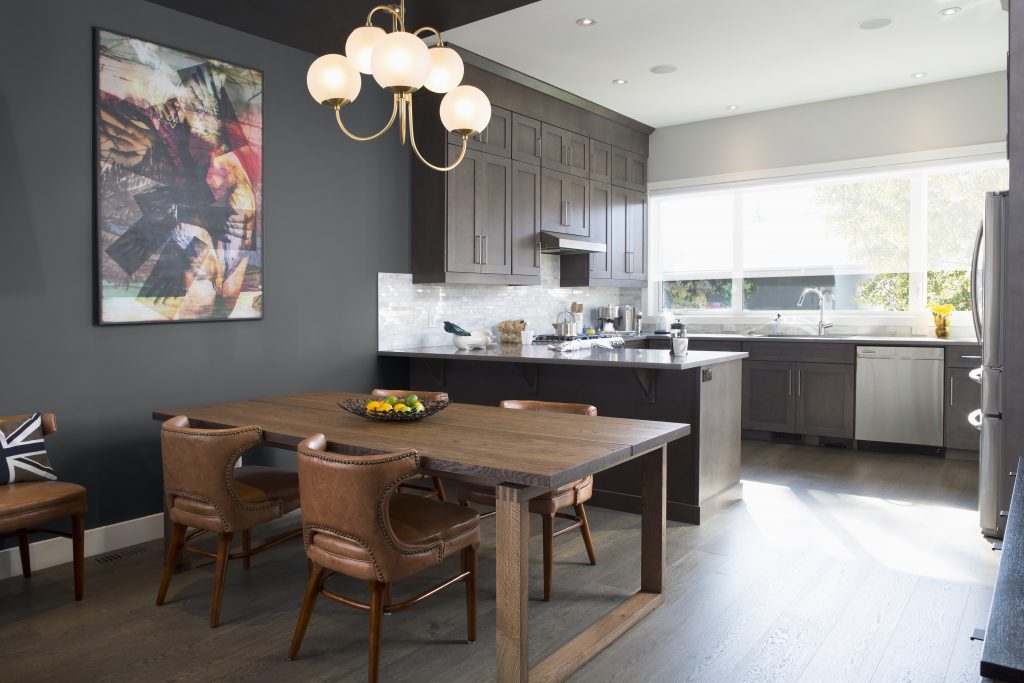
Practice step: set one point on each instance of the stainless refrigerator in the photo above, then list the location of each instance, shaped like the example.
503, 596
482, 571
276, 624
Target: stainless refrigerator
987, 287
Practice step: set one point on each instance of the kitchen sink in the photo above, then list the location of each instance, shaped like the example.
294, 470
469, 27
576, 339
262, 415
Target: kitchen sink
797, 336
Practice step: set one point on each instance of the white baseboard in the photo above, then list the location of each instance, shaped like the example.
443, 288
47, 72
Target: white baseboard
53, 551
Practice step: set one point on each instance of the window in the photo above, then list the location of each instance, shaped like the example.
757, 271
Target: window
884, 243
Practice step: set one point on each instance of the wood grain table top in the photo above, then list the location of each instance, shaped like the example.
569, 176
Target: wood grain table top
463, 441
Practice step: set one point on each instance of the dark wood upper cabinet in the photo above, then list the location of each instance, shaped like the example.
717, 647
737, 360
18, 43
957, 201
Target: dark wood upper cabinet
620, 167
495, 227
564, 202
636, 235
525, 139
525, 218
600, 161
463, 212
600, 228
617, 232
495, 139
554, 142
577, 155
629, 169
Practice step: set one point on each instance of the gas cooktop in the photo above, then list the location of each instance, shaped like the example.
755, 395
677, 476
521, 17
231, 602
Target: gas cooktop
548, 338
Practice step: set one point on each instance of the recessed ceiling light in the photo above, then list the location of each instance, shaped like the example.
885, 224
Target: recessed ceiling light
586, 21
732, 107
875, 23
664, 69
949, 11
919, 74
620, 81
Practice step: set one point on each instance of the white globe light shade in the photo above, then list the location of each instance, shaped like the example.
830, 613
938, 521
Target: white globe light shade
446, 69
465, 108
401, 61
360, 44
332, 80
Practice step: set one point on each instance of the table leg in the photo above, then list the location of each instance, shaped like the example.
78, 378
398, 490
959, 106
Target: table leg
512, 528
653, 524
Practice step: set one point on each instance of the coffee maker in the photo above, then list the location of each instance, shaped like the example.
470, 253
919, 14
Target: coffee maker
607, 317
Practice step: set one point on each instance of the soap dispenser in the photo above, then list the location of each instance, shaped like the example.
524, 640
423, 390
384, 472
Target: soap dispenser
777, 325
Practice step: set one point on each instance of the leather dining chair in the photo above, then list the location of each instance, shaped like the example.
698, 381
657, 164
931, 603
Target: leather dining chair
25, 504
204, 490
376, 534
548, 505
438, 486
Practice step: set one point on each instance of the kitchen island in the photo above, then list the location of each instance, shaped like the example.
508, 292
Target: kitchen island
702, 389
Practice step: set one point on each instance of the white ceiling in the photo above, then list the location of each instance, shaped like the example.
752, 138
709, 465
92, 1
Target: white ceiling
755, 54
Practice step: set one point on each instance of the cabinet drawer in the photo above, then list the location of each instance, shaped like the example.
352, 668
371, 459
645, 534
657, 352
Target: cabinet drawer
715, 345
808, 352
659, 343
963, 356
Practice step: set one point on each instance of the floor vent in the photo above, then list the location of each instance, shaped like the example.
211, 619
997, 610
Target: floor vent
119, 554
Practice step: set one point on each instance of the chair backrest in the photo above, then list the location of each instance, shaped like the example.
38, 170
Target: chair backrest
350, 495
49, 421
198, 464
402, 393
573, 408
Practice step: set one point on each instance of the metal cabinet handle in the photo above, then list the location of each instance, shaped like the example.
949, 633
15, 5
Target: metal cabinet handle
476, 248
972, 357
950, 392
565, 214
483, 249
536, 253
799, 382
789, 387
568, 150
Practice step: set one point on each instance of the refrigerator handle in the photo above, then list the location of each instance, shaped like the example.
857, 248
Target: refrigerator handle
975, 315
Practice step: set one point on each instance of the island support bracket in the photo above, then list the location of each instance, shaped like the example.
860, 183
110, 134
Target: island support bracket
648, 383
530, 374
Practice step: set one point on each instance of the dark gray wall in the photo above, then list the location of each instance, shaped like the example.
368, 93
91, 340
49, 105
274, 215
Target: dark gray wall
335, 213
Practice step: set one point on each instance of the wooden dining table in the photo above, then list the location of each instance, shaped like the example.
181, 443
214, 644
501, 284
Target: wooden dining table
523, 454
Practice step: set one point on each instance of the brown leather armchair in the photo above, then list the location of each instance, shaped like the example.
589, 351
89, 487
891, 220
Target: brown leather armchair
204, 490
438, 489
548, 505
374, 533
25, 504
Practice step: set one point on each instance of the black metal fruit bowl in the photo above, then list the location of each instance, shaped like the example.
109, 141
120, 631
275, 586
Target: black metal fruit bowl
357, 406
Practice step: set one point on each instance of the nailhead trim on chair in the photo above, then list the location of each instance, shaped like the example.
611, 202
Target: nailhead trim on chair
319, 527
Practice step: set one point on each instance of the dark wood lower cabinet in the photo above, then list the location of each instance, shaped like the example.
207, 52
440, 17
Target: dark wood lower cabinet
769, 403
963, 395
816, 399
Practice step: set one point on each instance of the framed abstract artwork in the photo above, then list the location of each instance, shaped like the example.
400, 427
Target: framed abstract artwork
179, 185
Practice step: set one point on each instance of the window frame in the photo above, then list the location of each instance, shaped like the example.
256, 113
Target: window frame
917, 316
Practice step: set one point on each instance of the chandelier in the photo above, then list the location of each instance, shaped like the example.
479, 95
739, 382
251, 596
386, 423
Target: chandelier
400, 62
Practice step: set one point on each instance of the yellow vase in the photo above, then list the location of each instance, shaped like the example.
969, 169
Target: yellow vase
941, 325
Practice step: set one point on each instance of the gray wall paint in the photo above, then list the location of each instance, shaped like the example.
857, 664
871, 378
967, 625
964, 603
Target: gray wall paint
965, 111
336, 213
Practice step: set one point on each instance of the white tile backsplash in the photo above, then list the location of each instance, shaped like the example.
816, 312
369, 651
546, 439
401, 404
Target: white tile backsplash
410, 315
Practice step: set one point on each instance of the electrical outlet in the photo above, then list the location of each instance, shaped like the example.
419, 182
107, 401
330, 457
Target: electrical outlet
728, 327
433, 319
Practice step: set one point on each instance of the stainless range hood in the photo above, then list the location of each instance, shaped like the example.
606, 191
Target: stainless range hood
557, 243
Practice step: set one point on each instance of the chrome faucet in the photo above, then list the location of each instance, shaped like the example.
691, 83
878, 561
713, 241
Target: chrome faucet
822, 325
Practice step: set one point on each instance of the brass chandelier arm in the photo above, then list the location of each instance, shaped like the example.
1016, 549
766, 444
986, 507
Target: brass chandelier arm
431, 29
397, 15
359, 138
412, 142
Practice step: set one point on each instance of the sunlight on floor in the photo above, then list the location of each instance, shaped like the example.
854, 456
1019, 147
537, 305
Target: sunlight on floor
925, 540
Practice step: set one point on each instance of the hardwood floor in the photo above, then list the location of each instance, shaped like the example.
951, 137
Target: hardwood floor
837, 566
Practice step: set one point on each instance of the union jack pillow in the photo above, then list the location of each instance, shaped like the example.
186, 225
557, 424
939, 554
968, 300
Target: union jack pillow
23, 452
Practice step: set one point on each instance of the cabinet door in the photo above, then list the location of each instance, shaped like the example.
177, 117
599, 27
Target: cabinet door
552, 208
576, 195
617, 240
600, 228
620, 167
552, 146
495, 214
600, 161
638, 172
525, 219
769, 402
825, 399
525, 139
963, 395
577, 155
495, 139
463, 212
636, 235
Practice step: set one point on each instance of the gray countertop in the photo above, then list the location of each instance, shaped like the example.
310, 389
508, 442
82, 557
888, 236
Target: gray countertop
539, 353
863, 340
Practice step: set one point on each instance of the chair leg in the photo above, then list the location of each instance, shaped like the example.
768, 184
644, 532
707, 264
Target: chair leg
26, 561
246, 548
78, 554
316, 574
377, 591
585, 530
549, 535
439, 487
223, 550
173, 550
469, 565
386, 598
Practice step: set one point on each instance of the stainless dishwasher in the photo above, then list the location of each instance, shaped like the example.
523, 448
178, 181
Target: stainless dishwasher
899, 394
